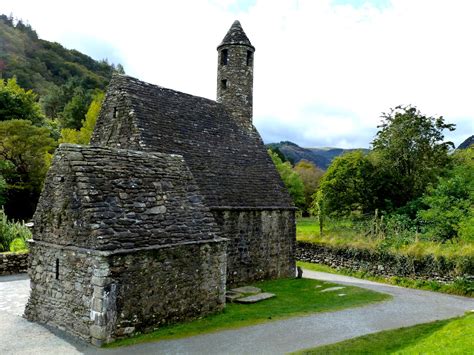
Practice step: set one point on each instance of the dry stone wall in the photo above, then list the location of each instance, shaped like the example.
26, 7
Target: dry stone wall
13, 263
382, 263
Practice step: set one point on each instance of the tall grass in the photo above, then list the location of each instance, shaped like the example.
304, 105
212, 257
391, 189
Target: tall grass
395, 233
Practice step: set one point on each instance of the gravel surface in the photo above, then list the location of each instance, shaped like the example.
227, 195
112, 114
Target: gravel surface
408, 307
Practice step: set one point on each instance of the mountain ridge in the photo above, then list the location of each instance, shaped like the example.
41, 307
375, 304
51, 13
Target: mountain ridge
321, 157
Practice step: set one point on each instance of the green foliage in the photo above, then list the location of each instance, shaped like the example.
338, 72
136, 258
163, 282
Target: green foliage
310, 176
3, 188
12, 234
290, 178
83, 136
411, 152
293, 297
26, 153
75, 110
42, 66
348, 185
18, 103
17, 245
450, 202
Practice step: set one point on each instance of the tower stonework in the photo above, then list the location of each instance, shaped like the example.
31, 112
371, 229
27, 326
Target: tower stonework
235, 74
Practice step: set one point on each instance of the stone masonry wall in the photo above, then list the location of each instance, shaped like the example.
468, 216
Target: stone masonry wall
383, 263
168, 285
100, 296
13, 263
62, 288
261, 243
235, 82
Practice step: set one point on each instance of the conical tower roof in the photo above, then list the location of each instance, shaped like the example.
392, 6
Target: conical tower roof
236, 35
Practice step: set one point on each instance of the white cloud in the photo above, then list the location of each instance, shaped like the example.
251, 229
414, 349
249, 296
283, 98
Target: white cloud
359, 61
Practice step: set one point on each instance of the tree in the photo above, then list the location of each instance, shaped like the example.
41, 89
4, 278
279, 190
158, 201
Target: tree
411, 150
348, 185
451, 201
311, 176
83, 136
25, 152
18, 103
75, 110
290, 178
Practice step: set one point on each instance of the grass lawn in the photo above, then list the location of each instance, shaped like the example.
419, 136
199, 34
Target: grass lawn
452, 336
293, 297
458, 287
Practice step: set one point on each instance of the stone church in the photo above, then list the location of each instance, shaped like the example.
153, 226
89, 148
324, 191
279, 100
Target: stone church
175, 199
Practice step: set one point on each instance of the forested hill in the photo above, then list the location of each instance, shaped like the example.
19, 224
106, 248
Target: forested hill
53, 72
321, 157
467, 143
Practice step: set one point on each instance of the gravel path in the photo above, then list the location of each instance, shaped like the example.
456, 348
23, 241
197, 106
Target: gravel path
408, 307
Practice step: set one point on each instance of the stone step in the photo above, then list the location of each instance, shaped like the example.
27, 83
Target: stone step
255, 298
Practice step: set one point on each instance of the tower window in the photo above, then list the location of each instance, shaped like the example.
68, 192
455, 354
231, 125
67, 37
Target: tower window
224, 84
57, 269
249, 57
224, 56
115, 112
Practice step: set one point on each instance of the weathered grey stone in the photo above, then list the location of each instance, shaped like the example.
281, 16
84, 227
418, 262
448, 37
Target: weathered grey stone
246, 289
231, 296
255, 298
330, 289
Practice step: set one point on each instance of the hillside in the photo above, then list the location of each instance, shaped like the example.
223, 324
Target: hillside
467, 143
321, 157
64, 79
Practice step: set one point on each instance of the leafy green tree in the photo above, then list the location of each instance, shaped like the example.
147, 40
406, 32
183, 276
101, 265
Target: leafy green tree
75, 110
451, 201
311, 176
348, 185
83, 136
18, 103
290, 178
26, 152
411, 151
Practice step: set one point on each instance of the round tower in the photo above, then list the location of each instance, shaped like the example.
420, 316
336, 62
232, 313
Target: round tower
235, 74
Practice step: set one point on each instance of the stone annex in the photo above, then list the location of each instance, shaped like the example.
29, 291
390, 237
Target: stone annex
175, 200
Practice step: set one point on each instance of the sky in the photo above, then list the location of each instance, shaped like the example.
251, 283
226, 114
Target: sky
325, 70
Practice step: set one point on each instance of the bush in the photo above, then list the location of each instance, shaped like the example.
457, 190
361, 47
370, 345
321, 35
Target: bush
18, 244
12, 234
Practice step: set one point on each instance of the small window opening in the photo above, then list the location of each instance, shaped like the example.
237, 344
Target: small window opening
224, 56
115, 112
224, 84
57, 269
249, 57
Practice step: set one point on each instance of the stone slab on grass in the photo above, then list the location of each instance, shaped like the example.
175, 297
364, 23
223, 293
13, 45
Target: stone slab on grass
247, 289
256, 298
231, 296
333, 289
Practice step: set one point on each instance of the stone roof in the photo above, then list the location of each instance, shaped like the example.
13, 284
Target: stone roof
229, 162
111, 199
236, 35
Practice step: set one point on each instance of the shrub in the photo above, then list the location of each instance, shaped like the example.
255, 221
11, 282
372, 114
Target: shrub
10, 232
18, 244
